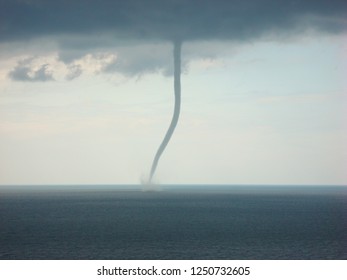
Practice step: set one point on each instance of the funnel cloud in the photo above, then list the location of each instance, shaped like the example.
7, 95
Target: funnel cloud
177, 108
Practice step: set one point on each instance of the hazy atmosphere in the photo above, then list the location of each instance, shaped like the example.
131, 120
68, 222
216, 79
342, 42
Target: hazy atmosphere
86, 91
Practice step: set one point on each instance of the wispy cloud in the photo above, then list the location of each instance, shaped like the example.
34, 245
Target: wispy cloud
25, 72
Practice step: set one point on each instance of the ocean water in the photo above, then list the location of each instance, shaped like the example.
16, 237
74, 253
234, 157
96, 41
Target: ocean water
175, 222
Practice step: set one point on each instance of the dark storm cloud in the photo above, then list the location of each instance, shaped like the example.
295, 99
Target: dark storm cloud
135, 30
168, 19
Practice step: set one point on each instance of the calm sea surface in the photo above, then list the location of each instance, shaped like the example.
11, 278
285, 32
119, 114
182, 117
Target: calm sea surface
175, 222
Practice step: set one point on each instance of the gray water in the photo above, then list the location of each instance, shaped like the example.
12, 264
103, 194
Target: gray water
177, 222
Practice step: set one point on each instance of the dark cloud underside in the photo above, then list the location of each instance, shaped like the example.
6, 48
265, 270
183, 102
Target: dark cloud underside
83, 27
167, 19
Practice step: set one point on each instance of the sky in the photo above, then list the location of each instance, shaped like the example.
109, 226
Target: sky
86, 91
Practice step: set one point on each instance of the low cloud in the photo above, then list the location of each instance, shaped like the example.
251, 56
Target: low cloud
25, 72
132, 37
140, 59
74, 71
168, 19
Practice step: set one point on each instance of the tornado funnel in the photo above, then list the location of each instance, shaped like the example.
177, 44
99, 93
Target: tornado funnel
177, 90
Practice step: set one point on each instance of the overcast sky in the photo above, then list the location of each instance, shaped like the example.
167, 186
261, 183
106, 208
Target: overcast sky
86, 91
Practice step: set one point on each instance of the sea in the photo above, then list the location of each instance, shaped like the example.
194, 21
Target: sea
184, 222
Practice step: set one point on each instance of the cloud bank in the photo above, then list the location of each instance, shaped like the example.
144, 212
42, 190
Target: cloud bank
168, 19
83, 27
